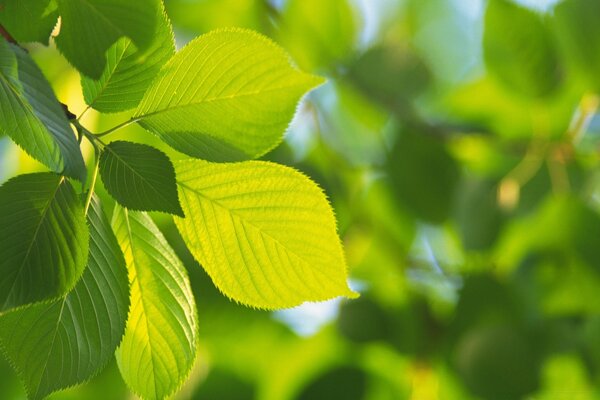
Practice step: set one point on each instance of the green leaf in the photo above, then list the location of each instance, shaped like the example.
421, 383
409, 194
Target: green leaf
139, 177
43, 239
265, 233
32, 117
60, 343
424, 175
318, 34
29, 20
90, 27
159, 347
578, 29
128, 71
228, 95
519, 49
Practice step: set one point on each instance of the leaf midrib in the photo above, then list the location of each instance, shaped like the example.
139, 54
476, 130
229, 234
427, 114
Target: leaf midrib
143, 303
138, 118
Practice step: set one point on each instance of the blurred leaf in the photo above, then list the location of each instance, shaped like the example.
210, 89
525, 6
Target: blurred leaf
32, 116
227, 96
128, 71
563, 225
391, 74
160, 342
424, 175
139, 177
478, 214
519, 49
498, 362
203, 16
44, 242
90, 27
352, 125
349, 383
363, 320
29, 20
265, 233
45, 341
318, 34
578, 30
221, 384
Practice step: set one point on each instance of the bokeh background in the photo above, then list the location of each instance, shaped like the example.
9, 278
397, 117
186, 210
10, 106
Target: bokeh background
458, 142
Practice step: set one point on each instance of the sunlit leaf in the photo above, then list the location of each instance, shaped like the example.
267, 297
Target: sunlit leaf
159, 346
265, 233
228, 95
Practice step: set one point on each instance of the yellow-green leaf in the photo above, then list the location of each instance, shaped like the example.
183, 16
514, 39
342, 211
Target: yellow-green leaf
159, 346
265, 233
228, 95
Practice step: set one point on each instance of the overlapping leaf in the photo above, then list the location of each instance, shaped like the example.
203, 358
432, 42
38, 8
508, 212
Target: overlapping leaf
159, 346
139, 177
31, 115
227, 96
29, 20
129, 71
64, 342
90, 27
43, 239
265, 233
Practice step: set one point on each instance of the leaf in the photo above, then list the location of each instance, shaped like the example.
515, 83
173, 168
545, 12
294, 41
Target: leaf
29, 20
139, 177
265, 233
424, 176
227, 96
159, 346
32, 117
43, 239
60, 343
90, 27
128, 71
519, 49
578, 30
318, 34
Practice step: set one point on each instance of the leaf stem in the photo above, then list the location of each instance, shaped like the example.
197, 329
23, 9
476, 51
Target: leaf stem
88, 199
117, 127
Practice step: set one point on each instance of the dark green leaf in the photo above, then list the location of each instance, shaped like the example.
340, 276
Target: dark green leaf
129, 71
139, 177
90, 27
60, 343
423, 175
32, 117
29, 20
43, 239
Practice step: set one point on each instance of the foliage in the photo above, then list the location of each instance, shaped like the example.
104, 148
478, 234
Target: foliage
457, 142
